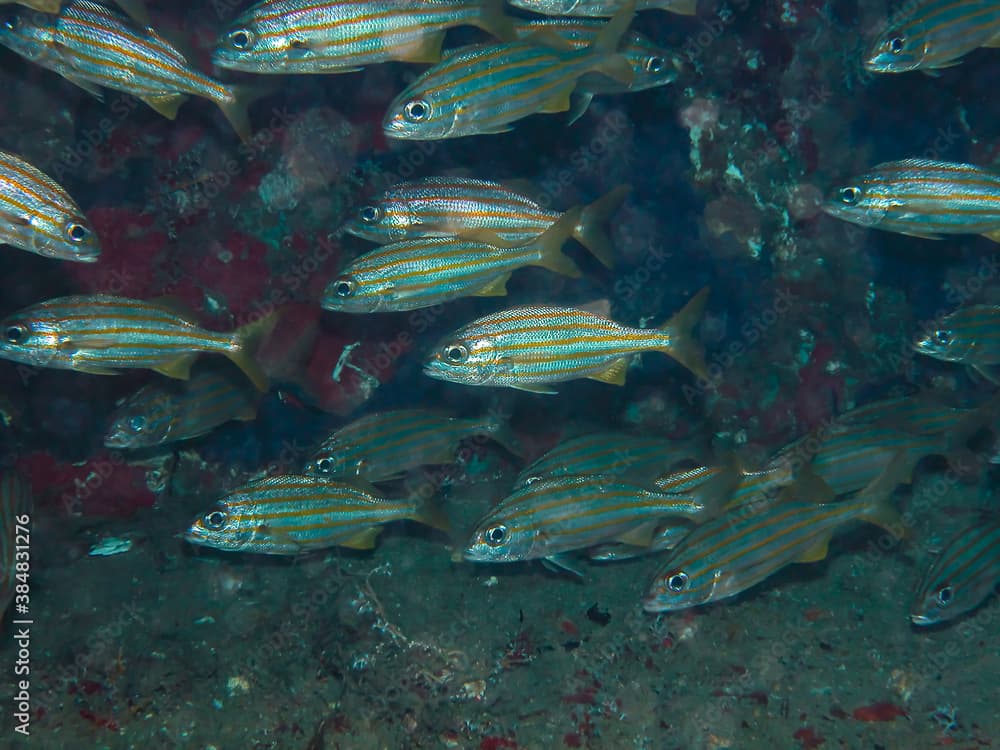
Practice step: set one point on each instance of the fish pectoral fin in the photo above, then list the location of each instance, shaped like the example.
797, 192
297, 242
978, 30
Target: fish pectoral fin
535, 388
614, 373
923, 235
179, 368
561, 564
15, 219
365, 539
995, 234
817, 551
495, 288
167, 105
93, 369
425, 50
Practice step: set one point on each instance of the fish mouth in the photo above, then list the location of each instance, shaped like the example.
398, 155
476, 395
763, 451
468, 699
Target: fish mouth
921, 619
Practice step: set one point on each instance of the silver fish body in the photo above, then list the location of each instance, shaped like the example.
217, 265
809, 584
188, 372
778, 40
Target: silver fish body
38, 215
923, 198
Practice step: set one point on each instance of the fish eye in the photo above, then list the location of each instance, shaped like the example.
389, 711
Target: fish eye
241, 39
15, 334
944, 595
417, 111
942, 338
344, 288
215, 520
896, 45
456, 353
76, 232
370, 214
137, 423
850, 195
655, 64
324, 466
495, 535
677, 582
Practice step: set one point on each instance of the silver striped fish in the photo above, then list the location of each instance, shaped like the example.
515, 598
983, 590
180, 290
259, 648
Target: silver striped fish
467, 207
922, 198
170, 412
652, 65
102, 334
94, 46
15, 511
38, 215
963, 574
609, 454
341, 36
383, 446
412, 274
935, 34
601, 8
970, 335
291, 514
485, 88
530, 348
559, 514
737, 550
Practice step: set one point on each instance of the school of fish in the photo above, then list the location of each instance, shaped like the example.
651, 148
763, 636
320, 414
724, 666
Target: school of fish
719, 526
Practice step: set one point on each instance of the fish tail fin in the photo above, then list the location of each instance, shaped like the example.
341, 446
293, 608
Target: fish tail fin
878, 495
246, 341
589, 231
550, 243
608, 60
429, 512
493, 20
499, 431
236, 106
683, 346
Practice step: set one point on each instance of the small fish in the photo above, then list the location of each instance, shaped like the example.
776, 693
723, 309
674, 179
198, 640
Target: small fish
922, 198
94, 46
601, 8
970, 335
15, 511
102, 334
740, 548
963, 574
607, 453
485, 88
412, 274
559, 514
468, 208
292, 514
530, 348
170, 412
935, 35
37, 215
342, 36
382, 446
652, 66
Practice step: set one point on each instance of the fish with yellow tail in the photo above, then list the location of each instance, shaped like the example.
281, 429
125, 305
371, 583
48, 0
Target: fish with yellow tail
747, 544
342, 36
292, 514
531, 348
103, 334
472, 208
486, 88
94, 46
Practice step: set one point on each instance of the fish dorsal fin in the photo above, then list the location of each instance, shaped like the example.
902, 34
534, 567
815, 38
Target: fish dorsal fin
600, 307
